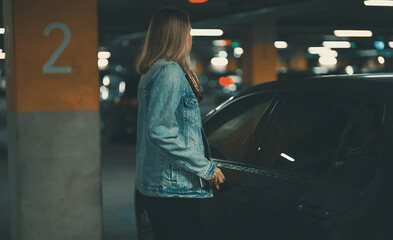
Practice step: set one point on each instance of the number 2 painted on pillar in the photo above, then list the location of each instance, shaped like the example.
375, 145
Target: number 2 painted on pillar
48, 67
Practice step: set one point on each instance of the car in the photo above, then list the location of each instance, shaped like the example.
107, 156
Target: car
304, 159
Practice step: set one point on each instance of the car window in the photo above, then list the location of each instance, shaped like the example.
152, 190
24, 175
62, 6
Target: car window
230, 135
356, 162
305, 133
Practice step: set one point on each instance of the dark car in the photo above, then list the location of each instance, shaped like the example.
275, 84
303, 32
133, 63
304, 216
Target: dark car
304, 159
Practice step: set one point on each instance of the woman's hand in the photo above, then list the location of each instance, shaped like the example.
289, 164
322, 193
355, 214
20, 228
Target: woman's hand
217, 178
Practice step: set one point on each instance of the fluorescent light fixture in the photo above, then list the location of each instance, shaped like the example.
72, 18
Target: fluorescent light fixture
207, 32
330, 53
2, 30
280, 44
318, 50
381, 60
329, 61
219, 61
378, 3
223, 54
323, 51
104, 55
287, 157
2, 55
336, 44
391, 44
353, 33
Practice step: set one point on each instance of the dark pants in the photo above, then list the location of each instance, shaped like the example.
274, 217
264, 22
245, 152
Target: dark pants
173, 218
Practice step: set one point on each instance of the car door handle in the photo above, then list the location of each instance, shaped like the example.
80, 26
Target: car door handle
314, 212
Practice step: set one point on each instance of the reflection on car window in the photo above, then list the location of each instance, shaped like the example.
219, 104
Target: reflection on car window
305, 133
356, 163
231, 137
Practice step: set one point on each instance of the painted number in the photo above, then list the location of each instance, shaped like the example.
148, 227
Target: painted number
48, 67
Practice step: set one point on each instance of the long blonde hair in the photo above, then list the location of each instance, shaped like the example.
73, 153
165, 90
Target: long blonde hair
167, 34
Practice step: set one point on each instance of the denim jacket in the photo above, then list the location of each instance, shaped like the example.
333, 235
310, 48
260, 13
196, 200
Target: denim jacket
170, 154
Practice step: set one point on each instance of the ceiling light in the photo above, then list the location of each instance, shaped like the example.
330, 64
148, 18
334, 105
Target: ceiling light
219, 61
2, 30
280, 44
206, 32
104, 55
378, 3
353, 33
391, 44
197, 1
318, 50
329, 61
337, 44
2, 55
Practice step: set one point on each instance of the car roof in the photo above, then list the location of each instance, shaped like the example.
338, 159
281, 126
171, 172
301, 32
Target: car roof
373, 85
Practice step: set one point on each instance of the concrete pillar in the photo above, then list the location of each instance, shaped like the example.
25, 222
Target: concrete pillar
53, 119
259, 60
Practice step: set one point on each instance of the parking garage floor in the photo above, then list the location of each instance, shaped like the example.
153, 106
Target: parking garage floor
118, 179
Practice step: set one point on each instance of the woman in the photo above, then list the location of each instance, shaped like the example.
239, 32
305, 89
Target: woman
173, 166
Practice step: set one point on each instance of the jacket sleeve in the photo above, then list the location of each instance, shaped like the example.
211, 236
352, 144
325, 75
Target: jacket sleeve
162, 127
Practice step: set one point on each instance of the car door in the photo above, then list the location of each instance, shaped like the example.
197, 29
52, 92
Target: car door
232, 133
302, 146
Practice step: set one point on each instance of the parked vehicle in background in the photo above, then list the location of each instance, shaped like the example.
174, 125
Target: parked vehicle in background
304, 159
118, 105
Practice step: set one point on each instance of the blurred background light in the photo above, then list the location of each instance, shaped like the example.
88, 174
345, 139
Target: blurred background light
328, 61
379, 45
320, 70
102, 63
391, 44
222, 43
319, 50
197, 1
280, 44
353, 33
238, 51
2, 55
106, 80
207, 32
379, 3
223, 54
381, 60
224, 81
122, 87
336, 44
219, 61
349, 70
104, 92
2, 30
104, 55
